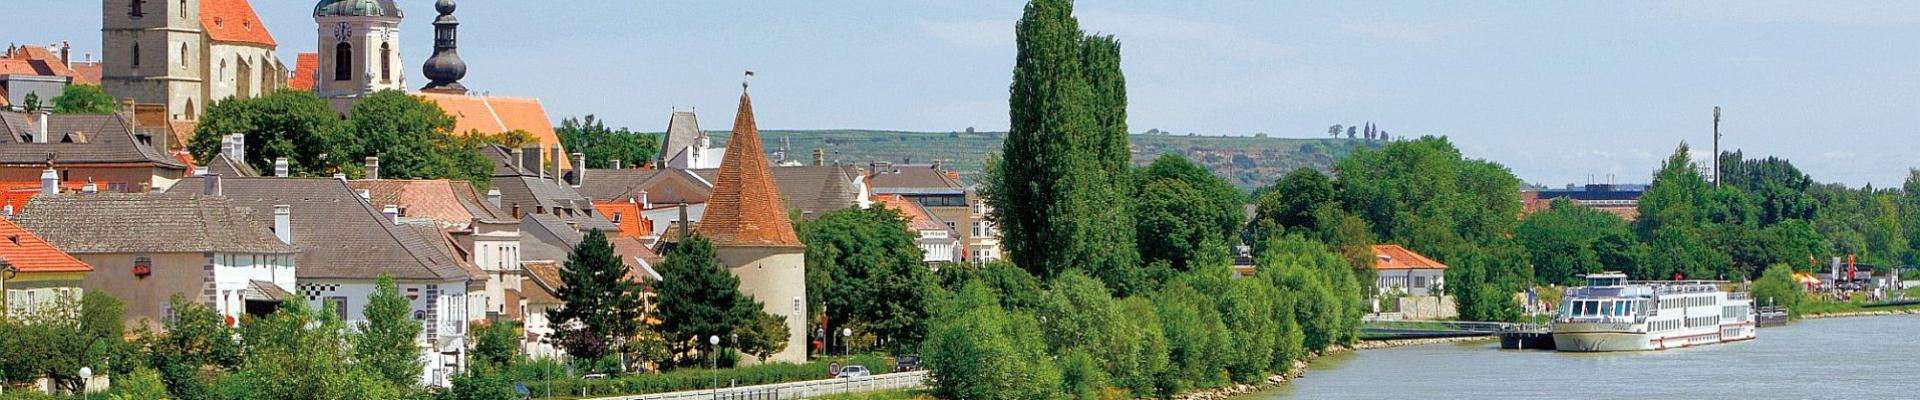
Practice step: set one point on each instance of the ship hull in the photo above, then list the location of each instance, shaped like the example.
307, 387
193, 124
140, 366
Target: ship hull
1601, 342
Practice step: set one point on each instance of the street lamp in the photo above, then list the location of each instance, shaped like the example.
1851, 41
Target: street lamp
714, 341
86, 374
846, 348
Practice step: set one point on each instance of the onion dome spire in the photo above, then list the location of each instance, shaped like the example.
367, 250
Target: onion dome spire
445, 67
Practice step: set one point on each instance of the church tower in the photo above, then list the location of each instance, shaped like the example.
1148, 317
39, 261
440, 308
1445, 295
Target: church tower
152, 53
752, 236
359, 50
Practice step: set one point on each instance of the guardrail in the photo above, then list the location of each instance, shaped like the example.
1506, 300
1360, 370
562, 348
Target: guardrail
795, 390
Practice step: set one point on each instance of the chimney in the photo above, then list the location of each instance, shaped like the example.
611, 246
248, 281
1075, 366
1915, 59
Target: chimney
283, 223
200, 171
539, 209
493, 197
645, 203
49, 182
392, 212
126, 106
41, 119
579, 169
8, 209
554, 158
530, 162
819, 157
686, 227
212, 187
514, 159
239, 148
66, 54
936, 165
373, 167
90, 188
226, 147
516, 210
280, 167
615, 163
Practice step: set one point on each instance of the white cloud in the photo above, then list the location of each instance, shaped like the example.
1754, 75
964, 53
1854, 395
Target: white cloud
980, 34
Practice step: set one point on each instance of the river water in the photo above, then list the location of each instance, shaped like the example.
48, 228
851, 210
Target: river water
1843, 358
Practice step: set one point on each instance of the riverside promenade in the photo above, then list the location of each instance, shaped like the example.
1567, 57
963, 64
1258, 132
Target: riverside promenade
795, 390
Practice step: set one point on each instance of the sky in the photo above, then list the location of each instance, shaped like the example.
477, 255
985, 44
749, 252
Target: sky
1560, 92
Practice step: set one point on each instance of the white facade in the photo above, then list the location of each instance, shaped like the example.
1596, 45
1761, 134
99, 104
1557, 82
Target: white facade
700, 155
358, 56
234, 274
664, 216
496, 250
242, 70
936, 245
440, 307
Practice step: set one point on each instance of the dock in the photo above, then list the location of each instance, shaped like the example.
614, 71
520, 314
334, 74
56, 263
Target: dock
1526, 337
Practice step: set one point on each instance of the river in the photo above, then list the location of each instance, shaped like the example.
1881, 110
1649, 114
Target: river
1846, 358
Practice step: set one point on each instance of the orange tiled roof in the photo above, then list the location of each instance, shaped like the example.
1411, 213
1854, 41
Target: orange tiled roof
27, 253
1389, 256
917, 217
304, 66
746, 209
430, 198
87, 72
16, 67
41, 61
492, 115
233, 21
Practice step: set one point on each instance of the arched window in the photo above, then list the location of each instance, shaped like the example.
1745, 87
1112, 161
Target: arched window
223, 70
386, 63
343, 62
136, 54
183, 54
183, 9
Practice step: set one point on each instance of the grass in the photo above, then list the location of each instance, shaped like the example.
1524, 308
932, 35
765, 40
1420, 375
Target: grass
882, 395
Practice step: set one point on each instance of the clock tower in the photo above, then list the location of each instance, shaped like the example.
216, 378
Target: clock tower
359, 50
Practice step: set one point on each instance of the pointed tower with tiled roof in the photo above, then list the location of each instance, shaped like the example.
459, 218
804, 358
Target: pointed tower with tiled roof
746, 208
752, 237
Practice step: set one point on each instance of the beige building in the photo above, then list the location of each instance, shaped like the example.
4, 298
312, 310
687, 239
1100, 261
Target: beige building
753, 237
186, 54
359, 43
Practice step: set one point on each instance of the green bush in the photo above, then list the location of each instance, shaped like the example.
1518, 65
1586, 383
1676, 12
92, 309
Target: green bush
535, 375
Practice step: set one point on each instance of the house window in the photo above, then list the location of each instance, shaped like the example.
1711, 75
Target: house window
339, 305
142, 266
616, 217
343, 62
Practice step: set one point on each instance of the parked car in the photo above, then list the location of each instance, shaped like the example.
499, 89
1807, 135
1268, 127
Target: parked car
910, 362
853, 371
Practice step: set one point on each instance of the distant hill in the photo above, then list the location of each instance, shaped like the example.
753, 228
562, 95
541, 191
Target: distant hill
1249, 162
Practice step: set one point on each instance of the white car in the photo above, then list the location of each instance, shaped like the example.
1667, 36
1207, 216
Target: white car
853, 371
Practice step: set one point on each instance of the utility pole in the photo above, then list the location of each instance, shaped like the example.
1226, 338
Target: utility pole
1716, 147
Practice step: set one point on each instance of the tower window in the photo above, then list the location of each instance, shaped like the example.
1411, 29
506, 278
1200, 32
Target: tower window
183, 9
136, 54
386, 63
183, 54
137, 8
343, 62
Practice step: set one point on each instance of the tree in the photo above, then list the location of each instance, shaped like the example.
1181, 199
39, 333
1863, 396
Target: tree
1057, 205
865, 268
385, 343
590, 136
34, 105
1777, 287
413, 138
55, 342
1335, 130
496, 344
1290, 203
979, 351
300, 353
293, 124
1351, 132
697, 298
196, 339
83, 99
1172, 222
765, 335
601, 307
1567, 240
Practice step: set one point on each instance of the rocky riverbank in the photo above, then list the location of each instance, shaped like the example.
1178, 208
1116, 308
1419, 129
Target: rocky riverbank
1863, 313
1300, 367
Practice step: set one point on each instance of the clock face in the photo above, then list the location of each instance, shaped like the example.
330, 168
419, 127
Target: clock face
342, 31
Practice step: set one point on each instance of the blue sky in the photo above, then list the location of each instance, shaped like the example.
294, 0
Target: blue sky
1558, 91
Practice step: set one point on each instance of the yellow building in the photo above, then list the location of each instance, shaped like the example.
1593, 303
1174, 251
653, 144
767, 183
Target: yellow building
35, 276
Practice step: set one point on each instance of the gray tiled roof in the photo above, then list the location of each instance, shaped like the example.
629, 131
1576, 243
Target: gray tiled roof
340, 236
605, 184
812, 189
107, 139
908, 177
683, 128
531, 193
146, 223
226, 166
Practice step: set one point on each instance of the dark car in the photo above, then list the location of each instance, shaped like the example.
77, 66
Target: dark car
906, 363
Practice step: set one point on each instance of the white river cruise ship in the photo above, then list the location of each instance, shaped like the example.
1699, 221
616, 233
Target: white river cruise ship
1612, 314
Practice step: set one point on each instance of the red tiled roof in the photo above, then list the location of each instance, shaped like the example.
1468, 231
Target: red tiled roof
493, 115
233, 21
304, 66
27, 253
17, 67
746, 208
87, 72
917, 217
429, 198
1388, 256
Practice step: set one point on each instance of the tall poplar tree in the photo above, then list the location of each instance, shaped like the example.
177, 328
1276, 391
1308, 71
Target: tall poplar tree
1060, 190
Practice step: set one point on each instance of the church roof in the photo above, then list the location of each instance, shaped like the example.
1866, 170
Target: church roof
682, 129
305, 65
746, 209
357, 8
233, 21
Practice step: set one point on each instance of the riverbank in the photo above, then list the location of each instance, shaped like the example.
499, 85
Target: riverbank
1863, 313
1300, 367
